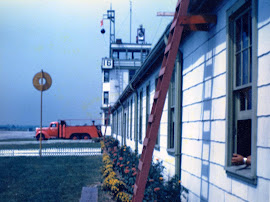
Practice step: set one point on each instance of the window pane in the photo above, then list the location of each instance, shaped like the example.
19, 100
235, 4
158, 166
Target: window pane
131, 74
106, 97
173, 96
238, 34
242, 101
137, 55
245, 67
129, 55
156, 81
250, 65
249, 99
250, 27
122, 56
115, 55
238, 69
244, 137
140, 118
173, 89
144, 55
157, 140
245, 30
106, 76
172, 120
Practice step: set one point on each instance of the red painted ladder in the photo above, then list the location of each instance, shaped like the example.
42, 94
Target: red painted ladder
180, 20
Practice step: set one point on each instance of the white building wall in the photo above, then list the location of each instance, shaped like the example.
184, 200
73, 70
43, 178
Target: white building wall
161, 153
263, 110
203, 115
125, 79
204, 105
114, 90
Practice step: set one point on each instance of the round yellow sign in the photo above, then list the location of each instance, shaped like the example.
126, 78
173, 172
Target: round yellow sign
40, 85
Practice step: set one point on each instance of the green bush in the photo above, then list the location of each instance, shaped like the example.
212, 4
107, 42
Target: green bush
125, 162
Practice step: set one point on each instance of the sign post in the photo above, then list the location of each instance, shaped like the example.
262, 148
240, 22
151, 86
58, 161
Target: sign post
38, 84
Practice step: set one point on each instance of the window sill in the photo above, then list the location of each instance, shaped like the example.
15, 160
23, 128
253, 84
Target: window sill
171, 152
242, 172
157, 147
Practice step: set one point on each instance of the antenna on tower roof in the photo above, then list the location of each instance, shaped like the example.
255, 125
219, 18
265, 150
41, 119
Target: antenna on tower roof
130, 20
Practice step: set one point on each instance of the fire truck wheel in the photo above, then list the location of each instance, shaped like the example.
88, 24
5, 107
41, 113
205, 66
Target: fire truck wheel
42, 137
86, 137
75, 137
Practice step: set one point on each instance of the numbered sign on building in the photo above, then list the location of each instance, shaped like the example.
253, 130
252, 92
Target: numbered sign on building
107, 63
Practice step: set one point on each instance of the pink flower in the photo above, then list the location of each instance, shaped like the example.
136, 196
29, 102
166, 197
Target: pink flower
126, 171
156, 189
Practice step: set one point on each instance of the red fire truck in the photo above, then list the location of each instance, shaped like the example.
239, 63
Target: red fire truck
62, 130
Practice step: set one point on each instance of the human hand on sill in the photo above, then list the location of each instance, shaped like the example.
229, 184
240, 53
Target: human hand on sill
238, 159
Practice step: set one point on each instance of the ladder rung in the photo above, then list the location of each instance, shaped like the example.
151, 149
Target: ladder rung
173, 25
177, 5
156, 95
151, 118
140, 165
135, 189
168, 47
162, 71
158, 105
145, 142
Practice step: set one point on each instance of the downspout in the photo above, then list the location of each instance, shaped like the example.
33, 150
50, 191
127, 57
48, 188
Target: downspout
178, 115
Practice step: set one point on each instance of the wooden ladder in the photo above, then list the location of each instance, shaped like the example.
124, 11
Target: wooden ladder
181, 20
163, 83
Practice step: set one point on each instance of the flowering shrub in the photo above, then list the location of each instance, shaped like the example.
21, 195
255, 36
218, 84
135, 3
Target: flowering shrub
102, 145
125, 162
122, 196
111, 183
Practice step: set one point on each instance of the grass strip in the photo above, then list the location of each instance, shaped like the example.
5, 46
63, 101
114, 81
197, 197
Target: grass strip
47, 178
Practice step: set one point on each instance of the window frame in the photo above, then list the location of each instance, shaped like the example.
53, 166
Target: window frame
140, 116
127, 120
147, 104
247, 174
106, 98
131, 74
157, 145
107, 121
171, 108
131, 118
105, 78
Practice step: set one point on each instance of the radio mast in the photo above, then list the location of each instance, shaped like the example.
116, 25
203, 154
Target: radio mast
130, 20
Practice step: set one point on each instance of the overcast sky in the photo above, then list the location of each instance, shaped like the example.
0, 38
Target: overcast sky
63, 38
